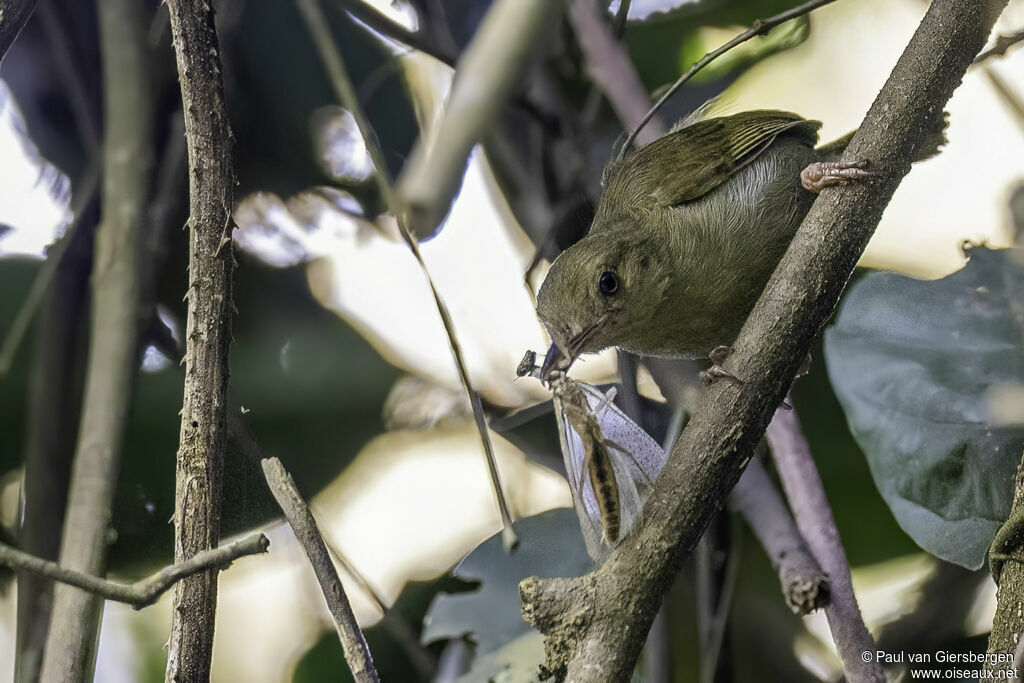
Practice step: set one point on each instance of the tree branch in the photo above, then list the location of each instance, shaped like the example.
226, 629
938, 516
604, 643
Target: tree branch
611, 69
1000, 46
806, 495
200, 459
595, 625
357, 653
141, 593
804, 584
112, 362
510, 36
14, 14
1008, 571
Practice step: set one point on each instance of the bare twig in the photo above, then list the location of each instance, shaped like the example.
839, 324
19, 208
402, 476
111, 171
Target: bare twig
417, 40
146, 591
611, 69
71, 642
393, 623
511, 35
806, 495
758, 28
200, 459
357, 654
1000, 46
14, 15
346, 94
804, 584
594, 625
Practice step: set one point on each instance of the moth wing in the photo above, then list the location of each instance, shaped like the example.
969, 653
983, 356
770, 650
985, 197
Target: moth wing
574, 454
643, 455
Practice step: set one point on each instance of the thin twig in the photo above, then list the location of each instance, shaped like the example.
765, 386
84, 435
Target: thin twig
203, 435
1000, 46
395, 625
113, 335
146, 591
610, 67
382, 24
804, 584
758, 28
346, 94
357, 653
806, 495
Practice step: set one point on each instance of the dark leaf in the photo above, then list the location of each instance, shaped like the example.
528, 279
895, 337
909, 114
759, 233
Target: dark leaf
912, 363
550, 545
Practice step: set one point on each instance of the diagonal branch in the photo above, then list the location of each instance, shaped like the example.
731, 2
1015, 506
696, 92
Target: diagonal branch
595, 625
203, 439
805, 585
300, 519
813, 515
610, 67
146, 591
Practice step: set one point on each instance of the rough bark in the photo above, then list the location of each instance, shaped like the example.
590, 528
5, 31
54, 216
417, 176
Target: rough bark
1008, 570
595, 625
112, 363
200, 460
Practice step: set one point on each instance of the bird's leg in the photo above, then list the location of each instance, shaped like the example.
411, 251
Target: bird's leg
716, 371
822, 174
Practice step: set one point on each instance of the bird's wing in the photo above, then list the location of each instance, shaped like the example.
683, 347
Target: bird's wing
692, 161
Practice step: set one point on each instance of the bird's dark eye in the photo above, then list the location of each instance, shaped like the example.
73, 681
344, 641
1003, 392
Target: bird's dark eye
608, 283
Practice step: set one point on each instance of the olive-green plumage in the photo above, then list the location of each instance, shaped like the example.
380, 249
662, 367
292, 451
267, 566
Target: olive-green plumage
687, 232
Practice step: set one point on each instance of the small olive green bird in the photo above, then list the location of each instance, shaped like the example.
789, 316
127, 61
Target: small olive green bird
686, 234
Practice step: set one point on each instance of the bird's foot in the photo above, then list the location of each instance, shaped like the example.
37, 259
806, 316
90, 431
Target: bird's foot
716, 372
821, 174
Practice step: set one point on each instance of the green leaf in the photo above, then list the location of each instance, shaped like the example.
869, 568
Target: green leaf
550, 545
912, 363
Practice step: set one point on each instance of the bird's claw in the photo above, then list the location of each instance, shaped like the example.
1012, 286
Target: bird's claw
716, 372
821, 174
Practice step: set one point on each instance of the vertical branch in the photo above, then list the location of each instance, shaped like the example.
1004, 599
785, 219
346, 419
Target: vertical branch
71, 643
208, 334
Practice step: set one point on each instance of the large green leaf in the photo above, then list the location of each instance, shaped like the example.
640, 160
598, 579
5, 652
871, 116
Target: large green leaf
550, 545
912, 363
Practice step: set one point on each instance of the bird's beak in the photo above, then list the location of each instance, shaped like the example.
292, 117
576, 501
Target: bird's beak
554, 361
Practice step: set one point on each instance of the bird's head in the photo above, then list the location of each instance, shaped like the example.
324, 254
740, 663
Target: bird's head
606, 290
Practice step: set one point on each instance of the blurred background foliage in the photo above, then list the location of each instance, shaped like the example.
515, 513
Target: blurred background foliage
333, 314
